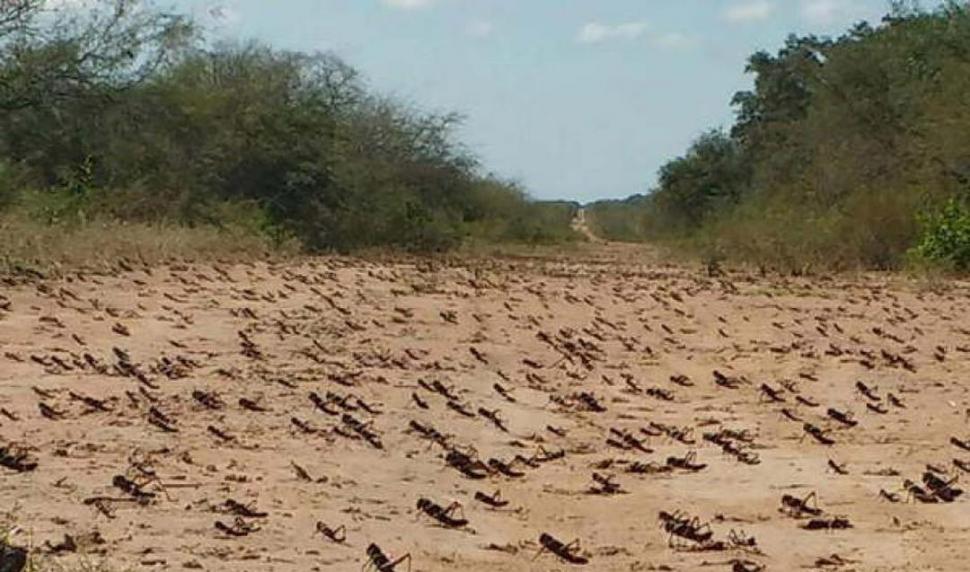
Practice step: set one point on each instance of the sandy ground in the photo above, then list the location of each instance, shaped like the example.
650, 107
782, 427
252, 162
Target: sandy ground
153, 375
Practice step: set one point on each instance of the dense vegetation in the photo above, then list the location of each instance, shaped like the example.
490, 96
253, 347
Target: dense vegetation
848, 152
123, 114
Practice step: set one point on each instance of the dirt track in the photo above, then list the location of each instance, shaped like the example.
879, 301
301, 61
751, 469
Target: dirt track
545, 330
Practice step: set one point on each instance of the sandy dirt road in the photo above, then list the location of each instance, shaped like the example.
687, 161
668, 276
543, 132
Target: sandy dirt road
580, 224
333, 390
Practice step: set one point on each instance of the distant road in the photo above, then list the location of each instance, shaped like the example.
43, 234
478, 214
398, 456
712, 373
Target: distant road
581, 226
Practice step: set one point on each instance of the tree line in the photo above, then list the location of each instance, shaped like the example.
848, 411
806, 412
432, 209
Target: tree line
848, 152
124, 111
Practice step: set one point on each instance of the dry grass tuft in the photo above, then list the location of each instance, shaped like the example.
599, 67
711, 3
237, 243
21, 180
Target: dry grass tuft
30, 246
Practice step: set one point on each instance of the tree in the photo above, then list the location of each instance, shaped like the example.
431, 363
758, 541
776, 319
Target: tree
116, 113
712, 175
783, 84
49, 54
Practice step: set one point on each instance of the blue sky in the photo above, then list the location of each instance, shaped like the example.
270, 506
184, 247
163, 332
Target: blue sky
576, 99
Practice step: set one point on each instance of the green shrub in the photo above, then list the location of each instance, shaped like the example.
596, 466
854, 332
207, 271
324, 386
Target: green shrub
838, 145
10, 184
543, 222
946, 236
275, 143
621, 221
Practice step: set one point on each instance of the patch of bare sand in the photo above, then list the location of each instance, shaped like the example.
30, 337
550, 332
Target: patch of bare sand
194, 383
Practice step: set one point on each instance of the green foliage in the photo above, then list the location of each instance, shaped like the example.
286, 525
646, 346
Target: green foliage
709, 179
499, 212
49, 54
618, 220
542, 222
946, 236
290, 145
10, 184
836, 148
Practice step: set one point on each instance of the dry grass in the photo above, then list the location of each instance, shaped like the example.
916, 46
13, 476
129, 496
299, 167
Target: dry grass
29, 246
13, 535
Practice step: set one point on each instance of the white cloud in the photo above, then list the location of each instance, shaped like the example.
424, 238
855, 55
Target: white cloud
830, 11
408, 4
751, 11
480, 29
596, 32
821, 11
